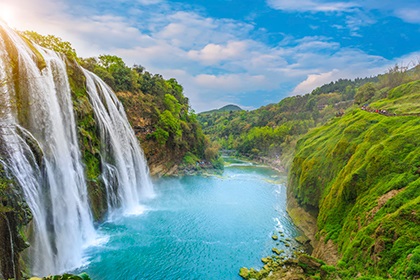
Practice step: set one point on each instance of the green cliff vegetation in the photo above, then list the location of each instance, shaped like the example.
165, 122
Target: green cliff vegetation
362, 172
66, 276
14, 216
160, 114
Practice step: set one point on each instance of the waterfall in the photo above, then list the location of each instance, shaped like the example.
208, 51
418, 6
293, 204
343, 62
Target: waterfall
123, 161
41, 151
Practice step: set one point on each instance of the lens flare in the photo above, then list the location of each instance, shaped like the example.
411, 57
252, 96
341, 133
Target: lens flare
6, 14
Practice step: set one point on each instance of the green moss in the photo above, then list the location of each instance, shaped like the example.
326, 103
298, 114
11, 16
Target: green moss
361, 172
14, 216
276, 251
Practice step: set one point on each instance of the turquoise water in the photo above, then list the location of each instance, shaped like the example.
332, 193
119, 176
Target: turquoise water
196, 228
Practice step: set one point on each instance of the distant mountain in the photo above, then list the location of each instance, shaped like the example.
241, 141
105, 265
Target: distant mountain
227, 108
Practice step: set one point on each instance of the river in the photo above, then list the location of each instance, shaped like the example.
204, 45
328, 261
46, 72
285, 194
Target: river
197, 227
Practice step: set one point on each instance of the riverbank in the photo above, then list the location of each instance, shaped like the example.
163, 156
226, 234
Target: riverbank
161, 169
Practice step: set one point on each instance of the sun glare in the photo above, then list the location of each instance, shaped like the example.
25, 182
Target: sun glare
6, 14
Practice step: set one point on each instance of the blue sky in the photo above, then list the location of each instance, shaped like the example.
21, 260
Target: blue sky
246, 52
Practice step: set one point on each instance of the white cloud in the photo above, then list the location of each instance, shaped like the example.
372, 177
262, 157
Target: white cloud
313, 81
232, 82
311, 5
411, 15
150, 2
214, 53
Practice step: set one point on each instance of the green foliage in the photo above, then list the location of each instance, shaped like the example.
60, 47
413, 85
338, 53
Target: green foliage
362, 172
161, 136
51, 42
66, 276
273, 130
190, 159
157, 108
402, 100
14, 216
365, 93
344, 86
218, 163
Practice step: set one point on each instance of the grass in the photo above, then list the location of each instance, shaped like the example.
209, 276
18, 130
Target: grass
362, 171
402, 100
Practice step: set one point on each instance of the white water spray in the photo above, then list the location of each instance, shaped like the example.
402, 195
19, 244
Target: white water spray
44, 157
124, 164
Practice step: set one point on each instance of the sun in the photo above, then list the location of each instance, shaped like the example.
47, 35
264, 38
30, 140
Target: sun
6, 14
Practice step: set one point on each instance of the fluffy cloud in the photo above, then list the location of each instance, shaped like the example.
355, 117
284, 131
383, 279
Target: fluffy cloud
411, 15
313, 81
150, 2
214, 53
311, 5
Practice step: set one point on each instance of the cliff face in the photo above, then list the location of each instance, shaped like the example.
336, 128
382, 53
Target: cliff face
14, 215
361, 172
169, 134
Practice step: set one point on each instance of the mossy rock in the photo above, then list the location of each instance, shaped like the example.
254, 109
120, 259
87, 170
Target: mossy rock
244, 272
266, 260
302, 239
277, 251
274, 237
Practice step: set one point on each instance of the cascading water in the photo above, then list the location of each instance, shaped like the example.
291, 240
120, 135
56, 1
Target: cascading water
122, 158
41, 152
55, 189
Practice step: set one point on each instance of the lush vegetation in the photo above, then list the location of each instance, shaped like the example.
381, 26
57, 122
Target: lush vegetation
14, 216
157, 109
226, 108
66, 276
362, 171
359, 168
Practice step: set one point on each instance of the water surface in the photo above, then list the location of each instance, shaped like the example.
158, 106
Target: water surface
197, 227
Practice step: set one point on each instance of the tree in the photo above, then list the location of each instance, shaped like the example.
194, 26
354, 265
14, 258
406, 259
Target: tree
51, 42
364, 93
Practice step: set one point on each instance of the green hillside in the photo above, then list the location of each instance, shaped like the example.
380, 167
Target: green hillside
362, 172
227, 108
271, 132
358, 175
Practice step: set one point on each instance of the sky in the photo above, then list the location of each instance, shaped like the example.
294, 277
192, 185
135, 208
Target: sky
244, 52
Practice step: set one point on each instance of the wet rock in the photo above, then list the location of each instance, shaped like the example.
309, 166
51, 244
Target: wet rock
276, 251
309, 264
302, 240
